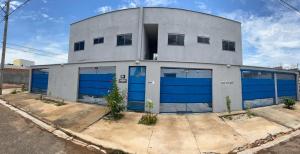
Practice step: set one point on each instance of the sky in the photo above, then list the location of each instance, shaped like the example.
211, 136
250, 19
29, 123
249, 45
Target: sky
270, 30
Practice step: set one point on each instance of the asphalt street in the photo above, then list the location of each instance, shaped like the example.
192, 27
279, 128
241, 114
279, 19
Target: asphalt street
20, 136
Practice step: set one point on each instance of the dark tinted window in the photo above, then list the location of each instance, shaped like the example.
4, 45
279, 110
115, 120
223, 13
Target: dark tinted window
124, 39
228, 45
99, 40
176, 39
79, 46
202, 39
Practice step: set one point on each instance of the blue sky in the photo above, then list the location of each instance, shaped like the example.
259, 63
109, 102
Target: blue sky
271, 32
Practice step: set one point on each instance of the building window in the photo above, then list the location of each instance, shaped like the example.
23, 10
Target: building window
124, 39
203, 39
99, 40
228, 45
176, 39
79, 46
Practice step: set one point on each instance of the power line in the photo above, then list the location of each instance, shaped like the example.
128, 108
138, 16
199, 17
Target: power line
22, 46
20, 6
27, 51
286, 4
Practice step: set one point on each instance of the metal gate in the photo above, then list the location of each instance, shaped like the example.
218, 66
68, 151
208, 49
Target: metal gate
95, 83
185, 90
136, 88
286, 85
258, 88
39, 81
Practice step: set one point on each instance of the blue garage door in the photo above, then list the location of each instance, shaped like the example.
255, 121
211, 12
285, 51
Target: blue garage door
136, 88
39, 81
185, 90
95, 83
286, 85
258, 88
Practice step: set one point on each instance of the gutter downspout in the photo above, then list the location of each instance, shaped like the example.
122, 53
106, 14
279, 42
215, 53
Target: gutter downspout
140, 34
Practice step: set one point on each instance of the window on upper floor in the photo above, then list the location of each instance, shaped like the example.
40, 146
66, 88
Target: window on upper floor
176, 39
124, 39
228, 45
79, 46
203, 39
99, 40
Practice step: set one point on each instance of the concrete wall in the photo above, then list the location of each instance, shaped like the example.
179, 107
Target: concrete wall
189, 23
63, 80
16, 76
108, 26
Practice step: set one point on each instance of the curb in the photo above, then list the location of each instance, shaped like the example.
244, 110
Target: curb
59, 132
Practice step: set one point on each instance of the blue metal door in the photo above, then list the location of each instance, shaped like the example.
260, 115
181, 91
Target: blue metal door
136, 88
286, 85
258, 88
185, 90
95, 83
39, 81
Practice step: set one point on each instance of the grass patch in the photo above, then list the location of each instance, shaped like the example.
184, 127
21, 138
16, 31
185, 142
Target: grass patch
114, 117
14, 92
148, 119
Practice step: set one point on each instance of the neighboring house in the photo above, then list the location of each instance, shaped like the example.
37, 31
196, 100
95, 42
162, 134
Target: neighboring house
16, 75
23, 63
184, 61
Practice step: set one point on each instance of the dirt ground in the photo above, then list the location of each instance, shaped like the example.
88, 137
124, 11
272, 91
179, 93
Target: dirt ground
290, 146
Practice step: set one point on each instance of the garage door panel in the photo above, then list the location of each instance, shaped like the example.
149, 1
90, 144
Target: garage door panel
180, 88
96, 77
95, 83
39, 81
185, 81
186, 89
286, 85
171, 98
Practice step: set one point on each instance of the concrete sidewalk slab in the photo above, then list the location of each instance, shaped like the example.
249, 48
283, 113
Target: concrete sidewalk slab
281, 117
126, 133
172, 134
213, 134
256, 128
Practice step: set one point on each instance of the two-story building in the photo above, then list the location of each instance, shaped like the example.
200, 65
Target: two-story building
184, 61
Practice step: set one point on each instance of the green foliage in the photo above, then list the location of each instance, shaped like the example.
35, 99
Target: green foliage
228, 104
14, 92
149, 118
248, 111
115, 101
23, 88
289, 103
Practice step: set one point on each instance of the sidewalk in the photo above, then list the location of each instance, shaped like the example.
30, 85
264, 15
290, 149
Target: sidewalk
190, 133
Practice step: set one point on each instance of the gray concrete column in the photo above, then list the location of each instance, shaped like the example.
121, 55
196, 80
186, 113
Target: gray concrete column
276, 93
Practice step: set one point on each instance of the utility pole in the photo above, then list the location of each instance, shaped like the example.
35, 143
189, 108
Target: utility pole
4, 43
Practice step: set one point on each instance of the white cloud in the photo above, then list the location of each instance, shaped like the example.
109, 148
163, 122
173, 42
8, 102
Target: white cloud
45, 1
270, 40
202, 7
159, 2
104, 9
15, 4
45, 15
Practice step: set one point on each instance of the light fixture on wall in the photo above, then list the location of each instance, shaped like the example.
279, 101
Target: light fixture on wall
137, 62
228, 66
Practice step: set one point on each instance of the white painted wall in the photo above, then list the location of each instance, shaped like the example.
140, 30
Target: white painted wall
63, 80
192, 24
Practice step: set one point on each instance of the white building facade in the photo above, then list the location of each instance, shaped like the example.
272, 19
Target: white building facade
184, 61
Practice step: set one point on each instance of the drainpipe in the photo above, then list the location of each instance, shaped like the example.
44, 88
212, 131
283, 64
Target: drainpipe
275, 83
140, 34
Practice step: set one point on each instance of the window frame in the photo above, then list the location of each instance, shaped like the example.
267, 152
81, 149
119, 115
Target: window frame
99, 42
228, 48
203, 37
124, 41
81, 46
177, 39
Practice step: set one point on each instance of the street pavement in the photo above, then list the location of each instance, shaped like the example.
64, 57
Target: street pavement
21, 136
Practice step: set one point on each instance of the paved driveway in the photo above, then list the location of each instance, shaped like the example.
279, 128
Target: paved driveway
21, 136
